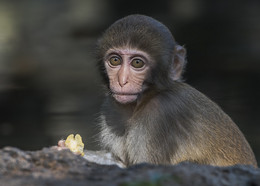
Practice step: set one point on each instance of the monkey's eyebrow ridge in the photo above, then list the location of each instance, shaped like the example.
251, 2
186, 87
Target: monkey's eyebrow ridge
132, 53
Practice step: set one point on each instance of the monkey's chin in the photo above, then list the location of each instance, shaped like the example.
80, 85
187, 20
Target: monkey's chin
124, 99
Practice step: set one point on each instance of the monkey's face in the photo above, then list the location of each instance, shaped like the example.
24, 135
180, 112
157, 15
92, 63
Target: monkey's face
127, 69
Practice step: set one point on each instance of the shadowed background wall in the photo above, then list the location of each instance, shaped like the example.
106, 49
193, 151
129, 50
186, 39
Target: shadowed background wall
49, 84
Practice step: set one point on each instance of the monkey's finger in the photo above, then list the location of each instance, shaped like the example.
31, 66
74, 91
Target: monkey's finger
61, 143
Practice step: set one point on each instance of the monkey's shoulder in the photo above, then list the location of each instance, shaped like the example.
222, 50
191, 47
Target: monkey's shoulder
181, 99
181, 94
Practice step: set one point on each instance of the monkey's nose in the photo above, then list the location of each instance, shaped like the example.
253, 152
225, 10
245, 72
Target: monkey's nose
123, 76
122, 81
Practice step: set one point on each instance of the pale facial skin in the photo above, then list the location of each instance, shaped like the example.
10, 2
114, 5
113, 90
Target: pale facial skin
127, 69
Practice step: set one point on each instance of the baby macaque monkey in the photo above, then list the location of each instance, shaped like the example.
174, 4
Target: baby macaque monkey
149, 114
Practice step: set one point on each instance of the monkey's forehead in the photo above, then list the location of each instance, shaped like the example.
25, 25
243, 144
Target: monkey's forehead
139, 32
128, 50
141, 40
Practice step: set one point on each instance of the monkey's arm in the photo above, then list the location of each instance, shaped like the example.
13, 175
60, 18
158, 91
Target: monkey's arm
99, 157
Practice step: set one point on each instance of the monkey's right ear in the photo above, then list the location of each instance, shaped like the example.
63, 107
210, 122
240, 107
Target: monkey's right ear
179, 62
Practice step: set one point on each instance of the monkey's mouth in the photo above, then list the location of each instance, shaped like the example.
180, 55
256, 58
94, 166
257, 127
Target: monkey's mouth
125, 98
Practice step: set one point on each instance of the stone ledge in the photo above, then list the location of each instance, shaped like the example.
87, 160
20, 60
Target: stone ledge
51, 167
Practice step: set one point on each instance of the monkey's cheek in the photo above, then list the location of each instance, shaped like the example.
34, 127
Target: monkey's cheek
124, 99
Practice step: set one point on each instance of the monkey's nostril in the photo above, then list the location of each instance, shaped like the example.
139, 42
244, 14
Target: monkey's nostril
122, 80
122, 83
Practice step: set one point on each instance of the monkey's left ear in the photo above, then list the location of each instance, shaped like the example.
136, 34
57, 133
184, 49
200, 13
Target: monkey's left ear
179, 62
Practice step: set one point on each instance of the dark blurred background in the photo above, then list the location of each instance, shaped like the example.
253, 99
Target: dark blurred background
49, 85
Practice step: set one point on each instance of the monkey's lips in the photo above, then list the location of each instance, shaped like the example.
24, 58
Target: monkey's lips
125, 98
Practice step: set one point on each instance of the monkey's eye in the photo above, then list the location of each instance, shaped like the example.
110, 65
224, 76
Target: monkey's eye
137, 63
115, 61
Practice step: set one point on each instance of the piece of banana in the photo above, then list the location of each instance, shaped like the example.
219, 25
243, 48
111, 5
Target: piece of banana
75, 144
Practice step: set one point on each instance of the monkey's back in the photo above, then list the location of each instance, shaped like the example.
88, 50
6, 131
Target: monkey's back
213, 137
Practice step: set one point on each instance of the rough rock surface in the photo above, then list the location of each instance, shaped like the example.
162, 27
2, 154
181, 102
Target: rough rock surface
51, 167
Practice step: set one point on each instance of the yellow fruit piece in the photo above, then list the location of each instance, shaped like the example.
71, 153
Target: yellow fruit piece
75, 144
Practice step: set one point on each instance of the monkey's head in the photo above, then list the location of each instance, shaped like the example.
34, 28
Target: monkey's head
138, 52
